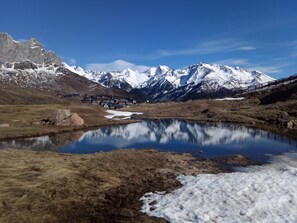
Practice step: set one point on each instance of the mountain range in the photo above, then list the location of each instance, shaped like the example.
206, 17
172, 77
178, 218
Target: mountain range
31, 74
163, 83
28, 65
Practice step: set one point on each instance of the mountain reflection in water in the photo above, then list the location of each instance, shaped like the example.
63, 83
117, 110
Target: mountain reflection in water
165, 135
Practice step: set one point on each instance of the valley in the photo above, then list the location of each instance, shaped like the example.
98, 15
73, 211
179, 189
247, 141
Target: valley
66, 157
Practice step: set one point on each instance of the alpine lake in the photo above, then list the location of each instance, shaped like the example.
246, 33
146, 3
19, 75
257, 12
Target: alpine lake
202, 140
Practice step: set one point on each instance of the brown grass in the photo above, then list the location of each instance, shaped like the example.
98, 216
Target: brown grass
247, 112
103, 187
24, 120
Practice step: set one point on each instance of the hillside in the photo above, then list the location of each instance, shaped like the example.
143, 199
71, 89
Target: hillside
31, 75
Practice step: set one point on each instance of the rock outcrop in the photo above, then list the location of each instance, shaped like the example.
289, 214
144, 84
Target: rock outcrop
15, 51
286, 121
63, 117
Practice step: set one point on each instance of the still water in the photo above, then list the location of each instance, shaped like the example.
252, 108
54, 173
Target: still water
205, 140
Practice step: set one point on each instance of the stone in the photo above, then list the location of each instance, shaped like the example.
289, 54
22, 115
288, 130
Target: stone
62, 117
76, 120
290, 125
282, 117
59, 117
23, 65
5, 125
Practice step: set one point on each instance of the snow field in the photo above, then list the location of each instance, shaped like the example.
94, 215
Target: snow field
258, 194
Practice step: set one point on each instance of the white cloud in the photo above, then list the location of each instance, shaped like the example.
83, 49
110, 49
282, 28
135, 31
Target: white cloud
208, 47
247, 48
72, 61
264, 68
267, 69
117, 65
232, 62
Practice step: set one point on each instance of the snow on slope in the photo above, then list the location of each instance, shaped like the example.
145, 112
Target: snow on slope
28, 74
257, 194
156, 80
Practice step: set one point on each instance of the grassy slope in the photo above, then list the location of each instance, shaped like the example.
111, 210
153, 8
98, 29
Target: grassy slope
24, 119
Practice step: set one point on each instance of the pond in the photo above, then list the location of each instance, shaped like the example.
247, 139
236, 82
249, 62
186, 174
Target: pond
199, 139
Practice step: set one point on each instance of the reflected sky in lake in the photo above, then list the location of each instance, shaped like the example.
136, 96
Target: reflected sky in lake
166, 135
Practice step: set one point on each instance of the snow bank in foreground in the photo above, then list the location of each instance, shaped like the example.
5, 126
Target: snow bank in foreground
257, 194
229, 99
122, 115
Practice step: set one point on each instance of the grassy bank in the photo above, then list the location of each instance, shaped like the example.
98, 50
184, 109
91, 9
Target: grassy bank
102, 187
246, 112
25, 120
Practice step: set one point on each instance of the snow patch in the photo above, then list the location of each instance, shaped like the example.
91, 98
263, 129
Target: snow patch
230, 99
120, 114
256, 194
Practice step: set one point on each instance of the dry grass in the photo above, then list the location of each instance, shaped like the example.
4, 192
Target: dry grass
104, 187
247, 112
24, 120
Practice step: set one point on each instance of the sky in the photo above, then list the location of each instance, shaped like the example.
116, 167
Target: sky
115, 34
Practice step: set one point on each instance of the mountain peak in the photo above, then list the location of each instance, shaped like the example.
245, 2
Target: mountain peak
15, 51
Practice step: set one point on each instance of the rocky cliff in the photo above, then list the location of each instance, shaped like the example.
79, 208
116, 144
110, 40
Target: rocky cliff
15, 51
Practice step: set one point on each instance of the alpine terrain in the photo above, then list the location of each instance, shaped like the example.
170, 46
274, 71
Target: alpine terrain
163, 83
31, 74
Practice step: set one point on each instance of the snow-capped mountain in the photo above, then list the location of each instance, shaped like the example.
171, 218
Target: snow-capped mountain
28, 65
26, 68
164, 83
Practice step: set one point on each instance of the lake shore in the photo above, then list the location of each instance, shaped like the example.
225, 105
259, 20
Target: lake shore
101, 187
25, 120
246, 112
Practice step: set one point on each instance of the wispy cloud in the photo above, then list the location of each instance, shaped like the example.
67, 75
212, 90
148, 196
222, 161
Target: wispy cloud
69, 60
247, 48
277, 67
294, 54
267, 69
117, 65
208, 47
233, 62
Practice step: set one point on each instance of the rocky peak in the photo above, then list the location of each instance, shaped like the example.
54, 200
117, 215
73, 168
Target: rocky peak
32, 50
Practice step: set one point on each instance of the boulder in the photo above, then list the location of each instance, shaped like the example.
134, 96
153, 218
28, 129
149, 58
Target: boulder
292, 124
5, 125
76, 120
282, 117
62, 117
59, 117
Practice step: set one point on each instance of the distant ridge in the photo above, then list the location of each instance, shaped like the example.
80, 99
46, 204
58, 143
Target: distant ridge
163, 83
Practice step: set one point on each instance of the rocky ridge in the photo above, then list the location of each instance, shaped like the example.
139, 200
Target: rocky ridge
15, 51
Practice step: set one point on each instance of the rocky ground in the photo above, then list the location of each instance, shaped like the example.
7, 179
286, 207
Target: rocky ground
102, 187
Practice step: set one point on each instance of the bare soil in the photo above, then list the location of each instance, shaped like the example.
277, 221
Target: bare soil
102, 187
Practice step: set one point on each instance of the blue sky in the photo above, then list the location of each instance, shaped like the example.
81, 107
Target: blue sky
255, 34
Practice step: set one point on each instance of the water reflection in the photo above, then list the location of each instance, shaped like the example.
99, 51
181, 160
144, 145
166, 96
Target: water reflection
167, 135
46, 143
